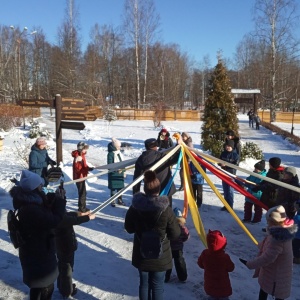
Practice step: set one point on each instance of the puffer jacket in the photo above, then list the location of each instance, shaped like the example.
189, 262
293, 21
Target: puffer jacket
142, 215
39, 161
270, 190
65, 238
274, 263
287, 198
37, 255
80, 168
231, 157
257, 181
146, 160
116, 178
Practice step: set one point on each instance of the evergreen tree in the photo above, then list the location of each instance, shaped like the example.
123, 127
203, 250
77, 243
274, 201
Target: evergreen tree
220, 112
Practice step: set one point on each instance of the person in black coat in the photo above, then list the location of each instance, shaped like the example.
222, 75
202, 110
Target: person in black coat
38, 215
230, 135
66, 245
270, 190
150, 157
164, 140
286, 197
151, 210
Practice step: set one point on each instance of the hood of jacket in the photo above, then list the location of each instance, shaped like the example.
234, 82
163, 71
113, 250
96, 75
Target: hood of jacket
142, 202
75, 153
111, 147
20, 197
283, 234
35, 148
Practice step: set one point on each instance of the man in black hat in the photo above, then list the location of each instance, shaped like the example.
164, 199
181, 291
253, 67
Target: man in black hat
150, 157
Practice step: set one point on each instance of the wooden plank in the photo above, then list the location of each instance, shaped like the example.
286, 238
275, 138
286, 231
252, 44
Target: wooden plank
73, 102
72, 109
72, 125
36, 102
78, 117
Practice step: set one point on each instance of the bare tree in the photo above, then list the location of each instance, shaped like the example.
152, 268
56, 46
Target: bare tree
275, 21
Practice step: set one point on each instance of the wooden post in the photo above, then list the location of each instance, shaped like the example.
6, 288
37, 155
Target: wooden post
255, 103
58, 106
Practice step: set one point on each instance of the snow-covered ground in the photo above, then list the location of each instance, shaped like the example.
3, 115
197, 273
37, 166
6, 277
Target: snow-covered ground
103, 267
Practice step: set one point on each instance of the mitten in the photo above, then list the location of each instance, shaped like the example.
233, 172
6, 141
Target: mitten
78, 159
91, 169
54, 163
243, 261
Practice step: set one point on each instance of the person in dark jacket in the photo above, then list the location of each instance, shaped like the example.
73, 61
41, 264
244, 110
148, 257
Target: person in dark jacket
270, 190
150, 157
115, 178
39, 159
177, 248
66, 245
286, 197
231, 157
197, 183
250, 114
216, 264
164, 141
38, 215
81, 170
230, 135
151, 210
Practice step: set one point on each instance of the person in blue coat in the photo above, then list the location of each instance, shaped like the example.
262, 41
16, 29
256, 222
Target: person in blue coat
231, 157
259, 168
39, 159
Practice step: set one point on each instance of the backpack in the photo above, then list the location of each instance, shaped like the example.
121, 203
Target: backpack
13, 226
151, 243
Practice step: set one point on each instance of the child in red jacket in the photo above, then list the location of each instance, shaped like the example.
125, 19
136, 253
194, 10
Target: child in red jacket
216, 264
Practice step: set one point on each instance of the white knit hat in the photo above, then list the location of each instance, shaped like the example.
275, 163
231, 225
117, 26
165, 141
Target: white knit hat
116, 143
276, 214
30, 181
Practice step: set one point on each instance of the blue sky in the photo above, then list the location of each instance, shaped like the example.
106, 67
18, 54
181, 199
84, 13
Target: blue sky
200, 27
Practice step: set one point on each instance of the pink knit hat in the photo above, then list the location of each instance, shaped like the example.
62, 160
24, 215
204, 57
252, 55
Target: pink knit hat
40, 141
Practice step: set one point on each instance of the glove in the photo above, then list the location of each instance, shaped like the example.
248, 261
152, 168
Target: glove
54, 163
13, 180
243, 261
78, 159
91, 169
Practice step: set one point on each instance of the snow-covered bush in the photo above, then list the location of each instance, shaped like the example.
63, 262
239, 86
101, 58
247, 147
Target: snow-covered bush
36, 131
251, 150
110, 115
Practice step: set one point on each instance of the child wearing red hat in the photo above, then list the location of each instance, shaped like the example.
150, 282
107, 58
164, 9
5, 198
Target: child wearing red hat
216, 264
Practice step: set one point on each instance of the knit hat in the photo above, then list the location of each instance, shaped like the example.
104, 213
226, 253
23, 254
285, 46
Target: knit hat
150, 143
215, 240
291, 171
177, 212
260, 165
82, 145
40, 141
276, 214
230, 143
164, 130
151, 183
116, 143
30, 181
275, 162
230, 132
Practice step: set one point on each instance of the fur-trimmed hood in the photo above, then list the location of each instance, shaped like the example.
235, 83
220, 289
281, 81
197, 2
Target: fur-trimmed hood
142, 202
282, 234
20, 197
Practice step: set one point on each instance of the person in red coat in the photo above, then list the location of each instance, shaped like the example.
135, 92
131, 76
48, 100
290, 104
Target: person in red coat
216, 264
81, 170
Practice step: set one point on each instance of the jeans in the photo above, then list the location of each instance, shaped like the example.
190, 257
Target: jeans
151, 285
228, 193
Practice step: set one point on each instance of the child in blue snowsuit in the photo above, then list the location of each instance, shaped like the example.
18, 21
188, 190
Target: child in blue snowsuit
197, 183
259, 168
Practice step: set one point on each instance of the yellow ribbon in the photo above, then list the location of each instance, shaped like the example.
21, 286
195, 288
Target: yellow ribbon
231, 211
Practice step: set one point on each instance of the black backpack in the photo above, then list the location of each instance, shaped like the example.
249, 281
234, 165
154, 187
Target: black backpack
13, 225
151, 243
54, 174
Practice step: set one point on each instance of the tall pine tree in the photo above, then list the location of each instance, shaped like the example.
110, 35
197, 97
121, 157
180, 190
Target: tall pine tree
220, 112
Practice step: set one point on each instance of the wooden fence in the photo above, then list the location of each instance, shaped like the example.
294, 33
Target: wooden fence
284, 117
